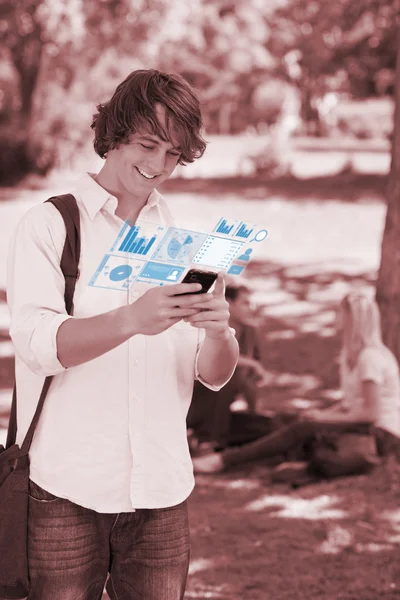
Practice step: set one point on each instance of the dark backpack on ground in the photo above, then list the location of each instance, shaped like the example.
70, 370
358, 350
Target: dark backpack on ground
14, 460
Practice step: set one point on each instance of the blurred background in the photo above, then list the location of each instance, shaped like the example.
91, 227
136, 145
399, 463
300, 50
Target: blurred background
298, 100
275, 69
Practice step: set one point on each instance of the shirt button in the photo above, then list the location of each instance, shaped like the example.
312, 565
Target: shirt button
136, 362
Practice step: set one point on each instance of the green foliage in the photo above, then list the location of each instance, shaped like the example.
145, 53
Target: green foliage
328, 37
337, 45
21, 155
220, 47
245, 57
52, 47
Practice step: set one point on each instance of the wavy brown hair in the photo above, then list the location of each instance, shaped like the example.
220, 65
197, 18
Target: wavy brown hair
132, 109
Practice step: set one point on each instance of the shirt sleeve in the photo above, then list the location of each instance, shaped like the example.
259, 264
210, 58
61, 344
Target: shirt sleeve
214, 388
35, 288
369, 366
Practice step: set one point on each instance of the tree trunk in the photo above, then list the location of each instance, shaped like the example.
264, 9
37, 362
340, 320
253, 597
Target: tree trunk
28, 72
25, 44
388, 285
225, 118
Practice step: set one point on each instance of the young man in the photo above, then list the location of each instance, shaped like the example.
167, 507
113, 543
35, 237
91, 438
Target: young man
210, 416
110, 467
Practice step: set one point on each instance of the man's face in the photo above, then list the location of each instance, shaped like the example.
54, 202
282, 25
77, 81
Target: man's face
146, 161
240, 308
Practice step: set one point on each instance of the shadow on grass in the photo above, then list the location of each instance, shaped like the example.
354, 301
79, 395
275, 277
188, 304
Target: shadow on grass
312, 543
353, 187
297, 329
345, 187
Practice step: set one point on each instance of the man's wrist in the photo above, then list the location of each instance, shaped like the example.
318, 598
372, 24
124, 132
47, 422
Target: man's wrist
126, 321
221, 336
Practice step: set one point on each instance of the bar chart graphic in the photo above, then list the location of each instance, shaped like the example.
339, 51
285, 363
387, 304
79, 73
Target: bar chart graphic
224, 226
139, 240
233, 229
134, 243
243, 230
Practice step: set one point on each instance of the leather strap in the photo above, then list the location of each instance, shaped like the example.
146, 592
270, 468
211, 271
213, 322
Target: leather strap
67, 206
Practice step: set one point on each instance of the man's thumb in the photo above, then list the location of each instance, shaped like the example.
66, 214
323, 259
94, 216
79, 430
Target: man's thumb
219, 289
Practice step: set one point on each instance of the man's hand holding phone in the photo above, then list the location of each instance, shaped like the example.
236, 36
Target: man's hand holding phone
159, 308
213, 316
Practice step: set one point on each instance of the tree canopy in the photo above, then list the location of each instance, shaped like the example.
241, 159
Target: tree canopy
242, 55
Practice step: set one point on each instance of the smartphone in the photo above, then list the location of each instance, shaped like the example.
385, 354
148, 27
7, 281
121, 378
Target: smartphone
206, 278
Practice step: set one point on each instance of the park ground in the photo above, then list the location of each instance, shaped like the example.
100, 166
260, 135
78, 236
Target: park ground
252, 540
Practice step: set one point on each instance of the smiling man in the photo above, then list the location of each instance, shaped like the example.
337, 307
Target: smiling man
110, 466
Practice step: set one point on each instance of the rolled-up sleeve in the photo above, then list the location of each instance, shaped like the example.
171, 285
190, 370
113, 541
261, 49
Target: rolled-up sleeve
35, 288
214, 388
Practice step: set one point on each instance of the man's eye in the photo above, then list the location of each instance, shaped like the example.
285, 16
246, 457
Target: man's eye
174, 153
147, 147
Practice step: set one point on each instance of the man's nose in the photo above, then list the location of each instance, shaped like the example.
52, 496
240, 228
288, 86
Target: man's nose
157, 162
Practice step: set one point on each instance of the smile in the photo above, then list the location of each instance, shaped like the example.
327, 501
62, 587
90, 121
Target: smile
144, 174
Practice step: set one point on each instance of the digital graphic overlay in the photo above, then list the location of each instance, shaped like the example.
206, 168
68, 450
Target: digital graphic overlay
139, 239
235, 270
250, 235
116, 273
179, 246
217, 252
150, 253
260, 236
154, 272
238, 229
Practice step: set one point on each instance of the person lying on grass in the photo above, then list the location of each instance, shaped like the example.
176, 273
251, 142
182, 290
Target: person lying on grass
366, 426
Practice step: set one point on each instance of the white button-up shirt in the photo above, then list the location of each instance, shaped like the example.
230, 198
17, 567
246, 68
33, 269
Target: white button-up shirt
112, 434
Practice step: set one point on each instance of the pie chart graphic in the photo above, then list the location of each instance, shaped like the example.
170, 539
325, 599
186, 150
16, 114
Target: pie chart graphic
121, 272
179, 246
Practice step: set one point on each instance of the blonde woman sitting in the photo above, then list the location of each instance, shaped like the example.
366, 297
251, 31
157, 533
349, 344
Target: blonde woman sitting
351, 438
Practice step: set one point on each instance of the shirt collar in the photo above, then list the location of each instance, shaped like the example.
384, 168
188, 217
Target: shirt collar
95, 198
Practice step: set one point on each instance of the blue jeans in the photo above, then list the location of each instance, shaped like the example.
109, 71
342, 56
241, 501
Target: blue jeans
71, 551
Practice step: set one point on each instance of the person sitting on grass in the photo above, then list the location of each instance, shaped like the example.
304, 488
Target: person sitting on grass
352, 437
210, 418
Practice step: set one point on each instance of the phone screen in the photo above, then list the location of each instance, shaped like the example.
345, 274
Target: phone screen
206, 278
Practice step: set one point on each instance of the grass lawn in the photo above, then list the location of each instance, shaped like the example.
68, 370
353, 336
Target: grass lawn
335, 540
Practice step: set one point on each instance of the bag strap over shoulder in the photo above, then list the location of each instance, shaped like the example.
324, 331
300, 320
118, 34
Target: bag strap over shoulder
69, 210
67, 206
